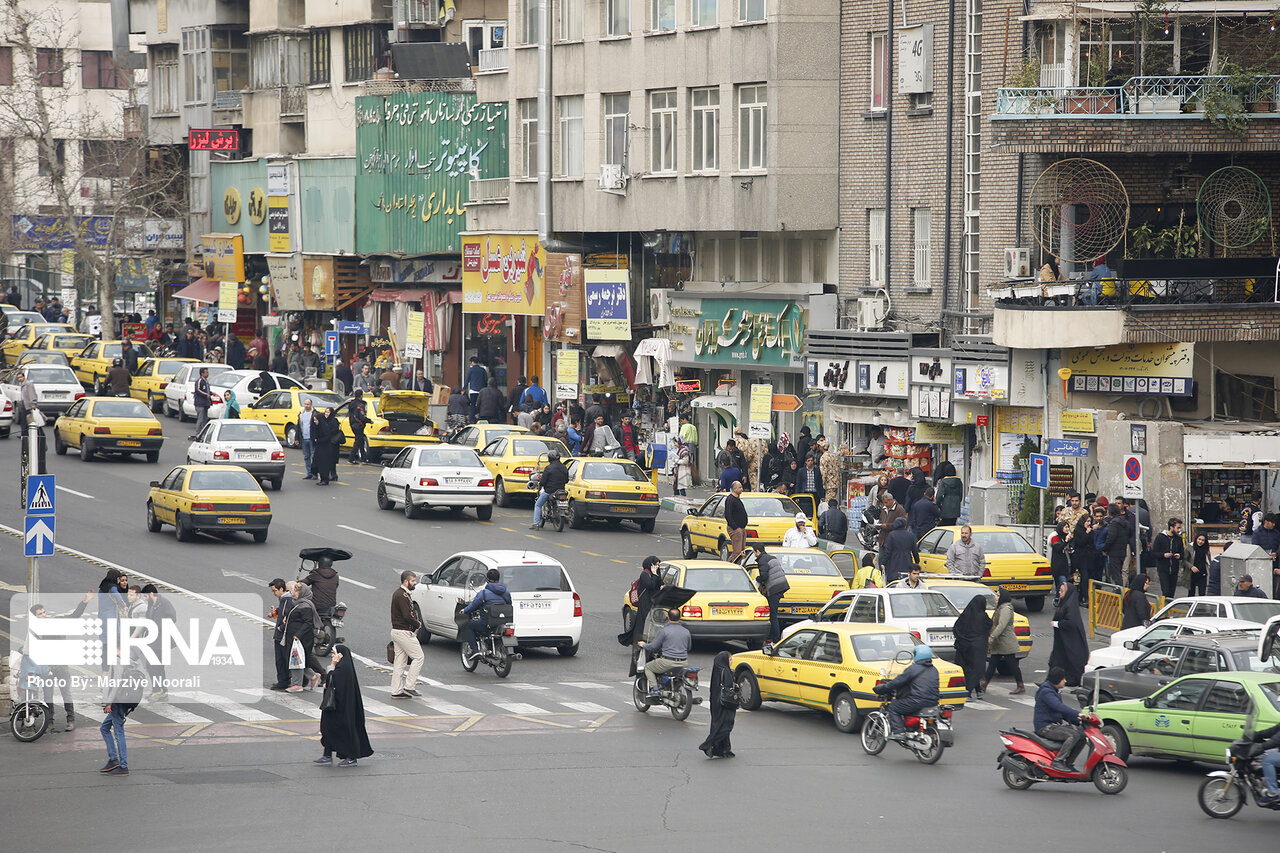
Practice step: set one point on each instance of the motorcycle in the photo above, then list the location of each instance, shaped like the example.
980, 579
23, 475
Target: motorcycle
1225, 792
30, 717
869, 532
927, 735
331, 622
1028, 758
675, 691
553, 510
495, 642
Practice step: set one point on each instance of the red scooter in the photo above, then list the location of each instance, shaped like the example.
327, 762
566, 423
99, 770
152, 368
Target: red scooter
1028, 758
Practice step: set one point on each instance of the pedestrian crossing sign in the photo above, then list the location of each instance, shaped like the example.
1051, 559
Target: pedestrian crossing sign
40, 494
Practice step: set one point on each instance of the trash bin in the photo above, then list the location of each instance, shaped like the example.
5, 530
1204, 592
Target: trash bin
655, 456
1241, 559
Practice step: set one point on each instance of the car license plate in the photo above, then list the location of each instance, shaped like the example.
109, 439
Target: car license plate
1014, 586
56, 395
131, 444
535, 605
726, 611
251, 457
940, 637
804, 609
458, 481
231, 521
624, 509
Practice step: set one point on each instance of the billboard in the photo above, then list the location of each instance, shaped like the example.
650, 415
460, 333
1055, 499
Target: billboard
503, 274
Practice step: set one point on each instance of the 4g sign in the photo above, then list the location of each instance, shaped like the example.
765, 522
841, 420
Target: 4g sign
915, 59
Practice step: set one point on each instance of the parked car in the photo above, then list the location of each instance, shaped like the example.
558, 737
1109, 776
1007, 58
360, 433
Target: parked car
1130, 643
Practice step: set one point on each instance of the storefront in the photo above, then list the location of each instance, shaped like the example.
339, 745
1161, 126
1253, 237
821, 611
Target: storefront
503, 305
1228, 462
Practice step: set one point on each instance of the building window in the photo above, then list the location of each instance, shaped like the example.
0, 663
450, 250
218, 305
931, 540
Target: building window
662, 131
879, 71
920, 267
571, 135
749, 256
46, 167
922, 100
617, 17
101, 158
818, 254
662, 16
318, 71
280, 61
750, 10
705, 120
483, 35
702, 13
364, 48
770, 259
229, 51
875, 245
617, 114
571, 14
49, 66
529, 15
728, 260
195, 66
793, 260
164, 80
98, 71
752, 126
529, 137
6, 66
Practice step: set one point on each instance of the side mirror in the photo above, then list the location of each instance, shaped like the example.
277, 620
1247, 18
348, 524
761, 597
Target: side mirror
1131, 645
768, 651
154, 484
693, 510
1149, 702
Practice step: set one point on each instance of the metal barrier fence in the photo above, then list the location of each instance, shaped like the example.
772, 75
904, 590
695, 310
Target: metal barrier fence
1106, 606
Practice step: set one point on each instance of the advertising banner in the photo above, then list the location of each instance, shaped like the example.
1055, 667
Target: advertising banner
760, 419
608, 304
502, 273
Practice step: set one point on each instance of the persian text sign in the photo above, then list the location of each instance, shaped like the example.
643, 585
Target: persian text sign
1142, 369
733, 332
226, 253
608, 304
760, 413
502, 273
50, 233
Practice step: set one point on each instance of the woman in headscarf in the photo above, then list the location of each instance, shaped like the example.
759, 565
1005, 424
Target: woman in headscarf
722, 717
787, 452
232, 407
681, 467
302, 623
786, 482
972, 630
875, 497
945, 469
1198, 571
647, 586
325, 433
1059, 560
916, 491
1135, 608
342, 726
1070, 636
1002, 642
770, 468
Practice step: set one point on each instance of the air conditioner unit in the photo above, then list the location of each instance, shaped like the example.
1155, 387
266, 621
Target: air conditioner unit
660, 307
1017, 263
871, 313
611, 177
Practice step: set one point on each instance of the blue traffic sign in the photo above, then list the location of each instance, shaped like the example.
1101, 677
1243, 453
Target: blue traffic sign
1067, 447
352, 327
39, 536
330, 343
40, 494
1039, 471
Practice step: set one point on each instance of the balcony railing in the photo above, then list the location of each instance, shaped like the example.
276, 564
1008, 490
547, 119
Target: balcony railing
1124, 292
489, 191
228, 100
494, 59
1139, 96
383, 88
293, 102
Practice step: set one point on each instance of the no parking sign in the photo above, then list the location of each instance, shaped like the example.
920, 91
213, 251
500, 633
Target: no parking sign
1132, 477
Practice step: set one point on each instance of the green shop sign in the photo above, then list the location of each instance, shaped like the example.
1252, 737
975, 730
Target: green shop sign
416, 154
738, 331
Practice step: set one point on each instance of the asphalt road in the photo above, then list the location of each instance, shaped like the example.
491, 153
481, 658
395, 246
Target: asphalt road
551, 758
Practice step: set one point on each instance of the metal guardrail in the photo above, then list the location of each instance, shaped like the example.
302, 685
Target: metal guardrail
1133, 291
1106, 605
489, 190
228, 100
1137, 96
293, 101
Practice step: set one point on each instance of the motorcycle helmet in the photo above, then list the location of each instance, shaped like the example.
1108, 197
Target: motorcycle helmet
923, 653
553, 456
117, 362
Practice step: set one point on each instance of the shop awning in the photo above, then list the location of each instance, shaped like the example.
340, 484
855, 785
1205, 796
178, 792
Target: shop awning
394, 294
201, 290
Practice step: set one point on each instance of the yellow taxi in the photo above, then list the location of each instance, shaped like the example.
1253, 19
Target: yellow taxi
209, 498
769, 517
478, 436
108, 426
70, 343
833, 668
512, 458
1011, 561
725, 604
397, 419
21, 339
612, 489
814, 580
151, 377
93, 362
960, 591
279, 409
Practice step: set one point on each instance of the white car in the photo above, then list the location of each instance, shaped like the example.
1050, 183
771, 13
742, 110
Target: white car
927, 615
548, 611
249, 444
56, 387
6, 416
248, 386
1130, 643
178, 402
440, 475
1256, 610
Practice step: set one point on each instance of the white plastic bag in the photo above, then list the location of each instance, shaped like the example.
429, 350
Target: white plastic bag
297, 656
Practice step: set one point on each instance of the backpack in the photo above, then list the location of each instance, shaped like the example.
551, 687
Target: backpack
633, 594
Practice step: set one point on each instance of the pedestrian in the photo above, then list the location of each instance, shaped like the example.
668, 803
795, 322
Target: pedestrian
1070, 636
899, 553
736, 520
458, 412
1059, 559
728, 477
390, 379
364, 381
645, 588
722, 714
489, 403
773, 583
1167, 550
358, 419
924, 514
231, 408
122, 694
201, 397
421, 383
301, 624
477, 379
732, 457
1198, 571
406, 620
833, 524
1267, 537
111, 601
628, 437
306, 436
916, 490
876, 493
1117, 543
533, 397
972, 632
889, 513
786, 483
1247, 513
804, 443
342, 728
949, 492
800, 535
284, 601
342, 375
1246, 588
785, 451
689, 434
159, 610
524, 419
899, 485
1002, 643
603, 443
1135, 609
62, 674
328, 437
514, 398
809, 481
1083, 555
965, 557
574, 436
681, 467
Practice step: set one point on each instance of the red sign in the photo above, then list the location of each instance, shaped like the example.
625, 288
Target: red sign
984, 420
133, 331
688, 386
471, 257
213, 140
490, 325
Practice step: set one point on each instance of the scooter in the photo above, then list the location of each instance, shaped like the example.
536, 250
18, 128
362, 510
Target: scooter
675, 691
330, 622
869, 532
1028, 759
30, 717
1225, 792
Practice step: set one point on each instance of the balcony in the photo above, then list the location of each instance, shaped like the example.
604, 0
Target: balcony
1152, 97
489, 191
494, 59
228, 108
383, 88
293, 103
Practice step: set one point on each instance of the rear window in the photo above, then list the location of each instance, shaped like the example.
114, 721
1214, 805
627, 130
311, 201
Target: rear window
169, 367
320, 401
227, 379
538, 446
960, 596
808, 564
1256, 611
535, 579
778, 507
718, 580
625, 471
881, 647
1002, 542
51, 375
1272, 691
246, 431
120, 409
450, 457
919, 604
69, 341
219, 481
1248, 661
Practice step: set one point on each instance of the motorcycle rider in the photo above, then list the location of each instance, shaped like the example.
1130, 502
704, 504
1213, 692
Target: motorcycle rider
1268, 742
916, 688
118, 379
554, 478
670, 647
323, 580
494, 592
1056, 722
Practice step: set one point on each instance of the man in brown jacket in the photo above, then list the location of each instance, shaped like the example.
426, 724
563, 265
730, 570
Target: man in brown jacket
404, 636
889, 512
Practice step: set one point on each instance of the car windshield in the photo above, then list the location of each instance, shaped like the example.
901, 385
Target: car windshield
626, 471
1248, 661
51, 375
120, 409
222, 481
881, 647
535, 579
1002, 542
226, 379
33, 356
960, 596
246, 431
808, 564
778, 507
1272, 691
1256, 611
717, 580
537, 447
320, 401
906, 605
449, 457
69, 341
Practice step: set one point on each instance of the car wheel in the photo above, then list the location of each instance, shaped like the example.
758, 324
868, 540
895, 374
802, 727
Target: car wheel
4, 433
628, 620
725, 553
153, 455
484, 513
844, 712
277, 483
375, 455
410, 511
152, 403
259, 536
567, 651
686, 545
182, 414
153, 523
1117, 738
424, 636
183, 529
291, 436
384, 502
86, 450
646, 525
577, 520
58, 447
500, 496
748, 690
1035, 603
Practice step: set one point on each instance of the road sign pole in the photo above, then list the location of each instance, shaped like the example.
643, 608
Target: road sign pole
1041, 522
33, 467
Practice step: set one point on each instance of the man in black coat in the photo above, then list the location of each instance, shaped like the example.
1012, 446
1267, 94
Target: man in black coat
1167, 550
284, 601
899, 553
513, 398
833, 524
490, 403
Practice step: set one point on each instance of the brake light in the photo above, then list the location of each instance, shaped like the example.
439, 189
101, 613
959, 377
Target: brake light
911, 722
8, 405
155, 431
1043, 570
277, 454
523, 469
836, 592
986, 573
79, 394
916, 634
692, 611
202, 507
956, 681
102, 431
594, 495
260, 508
510, 632
221, 454
577, 605
649, 496
762, 612
428, 481
751, 534
1023, 632
946, 713
486, 484
385, 429
215, 398
164, 385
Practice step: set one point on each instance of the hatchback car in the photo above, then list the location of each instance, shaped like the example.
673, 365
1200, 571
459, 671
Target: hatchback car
442, 476
56, 387
209, 498
246, 444
928, 616
1011, 561
548, 610
769, 517
108, 425
1227, 651
615, 490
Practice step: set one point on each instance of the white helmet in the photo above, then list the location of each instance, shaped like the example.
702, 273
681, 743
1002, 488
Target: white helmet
801, 518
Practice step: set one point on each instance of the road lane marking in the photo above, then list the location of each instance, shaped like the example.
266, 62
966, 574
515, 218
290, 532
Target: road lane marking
588, 685
1022, 700
294, 704
520, 708
448, 708
354, 582
174, 714
979, 705
623, 562
77, 494
367, 533
243, 712
523, 685
382, 709
587, 707
592, 554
